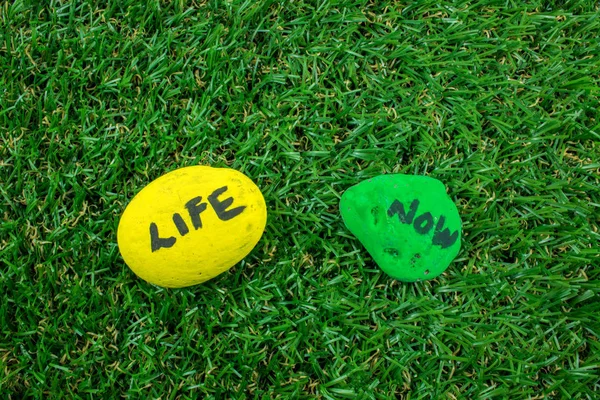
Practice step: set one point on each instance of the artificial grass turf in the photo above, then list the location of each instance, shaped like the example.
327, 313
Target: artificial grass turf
497, 99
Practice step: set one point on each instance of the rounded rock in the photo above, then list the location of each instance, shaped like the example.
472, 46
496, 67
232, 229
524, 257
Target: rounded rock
190, 225
407, 223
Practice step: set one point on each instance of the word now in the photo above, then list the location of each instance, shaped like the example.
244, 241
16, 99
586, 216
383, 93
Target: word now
423, 223
195, 207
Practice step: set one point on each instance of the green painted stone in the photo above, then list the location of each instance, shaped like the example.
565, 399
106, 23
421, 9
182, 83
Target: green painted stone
408, 224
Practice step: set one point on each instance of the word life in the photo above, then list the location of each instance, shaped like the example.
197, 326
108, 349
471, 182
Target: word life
424, 223
195, 207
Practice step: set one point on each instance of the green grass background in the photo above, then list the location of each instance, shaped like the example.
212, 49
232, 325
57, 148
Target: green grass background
498, 99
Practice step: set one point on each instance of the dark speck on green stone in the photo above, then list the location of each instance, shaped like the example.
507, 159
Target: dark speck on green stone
392, 252
375, 213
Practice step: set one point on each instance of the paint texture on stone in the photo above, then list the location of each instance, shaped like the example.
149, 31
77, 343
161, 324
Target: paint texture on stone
407, 223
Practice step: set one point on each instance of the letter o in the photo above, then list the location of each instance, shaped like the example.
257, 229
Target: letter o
418, 224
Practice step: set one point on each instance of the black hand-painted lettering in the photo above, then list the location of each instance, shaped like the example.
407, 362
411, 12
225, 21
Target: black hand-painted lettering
418, 225
195, 207
180, 224
424, 223
156, 242
398, 209
220, 207
443, 237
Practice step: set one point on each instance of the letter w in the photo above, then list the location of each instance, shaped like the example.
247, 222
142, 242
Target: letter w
443, 237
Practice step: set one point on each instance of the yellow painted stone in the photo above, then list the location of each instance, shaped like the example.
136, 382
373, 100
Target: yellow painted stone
191, 225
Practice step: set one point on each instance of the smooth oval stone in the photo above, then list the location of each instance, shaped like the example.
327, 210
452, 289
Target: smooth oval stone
407, 223
191, 225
